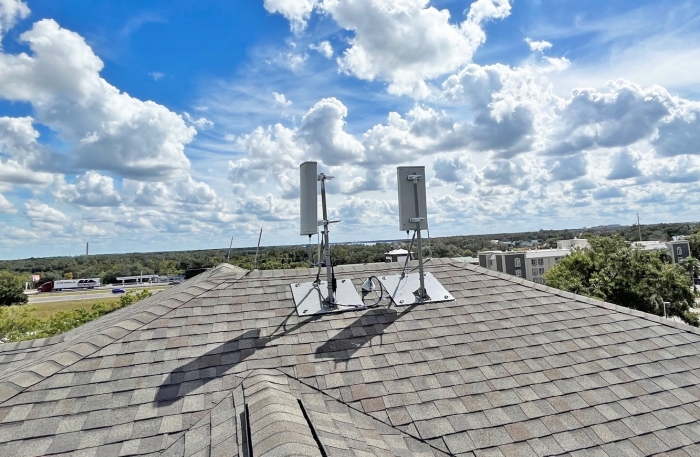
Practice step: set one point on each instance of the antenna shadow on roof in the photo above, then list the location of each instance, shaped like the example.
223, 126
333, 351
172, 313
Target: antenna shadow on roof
212, 365
343, 346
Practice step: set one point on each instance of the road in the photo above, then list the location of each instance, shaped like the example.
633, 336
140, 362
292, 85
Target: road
53, 297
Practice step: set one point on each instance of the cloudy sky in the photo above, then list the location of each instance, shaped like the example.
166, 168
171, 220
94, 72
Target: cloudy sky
161, 125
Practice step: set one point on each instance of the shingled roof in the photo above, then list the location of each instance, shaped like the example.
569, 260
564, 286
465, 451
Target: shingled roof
222, 365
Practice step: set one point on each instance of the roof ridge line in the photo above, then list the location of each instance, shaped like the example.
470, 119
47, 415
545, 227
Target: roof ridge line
16, 382
362, 412
583, 298
204, 416
36, 343
239, 384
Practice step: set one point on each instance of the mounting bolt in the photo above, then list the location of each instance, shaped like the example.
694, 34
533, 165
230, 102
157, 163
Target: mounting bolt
296, 285
342, 280
400, 301
446, 297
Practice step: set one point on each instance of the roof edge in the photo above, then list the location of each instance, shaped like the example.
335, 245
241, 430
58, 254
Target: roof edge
582, 298
117, 325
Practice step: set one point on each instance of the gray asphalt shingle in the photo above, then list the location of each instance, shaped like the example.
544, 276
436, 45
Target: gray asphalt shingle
508, 368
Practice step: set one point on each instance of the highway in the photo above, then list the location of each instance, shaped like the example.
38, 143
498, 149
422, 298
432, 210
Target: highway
54, 297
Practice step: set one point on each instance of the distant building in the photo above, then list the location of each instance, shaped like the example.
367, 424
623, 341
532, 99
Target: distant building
531, 265
511, 262
518, 243
527, 243
676, 250
470, 260
140, 279
397, 255
540, 261
571, 244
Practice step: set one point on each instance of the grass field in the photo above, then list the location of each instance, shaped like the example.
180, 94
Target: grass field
46, 310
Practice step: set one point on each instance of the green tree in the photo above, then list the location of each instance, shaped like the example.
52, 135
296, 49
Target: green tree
11, 289
692, 266
612, 271
694, 241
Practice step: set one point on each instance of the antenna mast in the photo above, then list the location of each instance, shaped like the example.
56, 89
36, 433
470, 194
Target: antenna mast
330, 277
421, 293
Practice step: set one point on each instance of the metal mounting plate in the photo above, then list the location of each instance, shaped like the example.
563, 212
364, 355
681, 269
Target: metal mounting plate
308, 297
401, 289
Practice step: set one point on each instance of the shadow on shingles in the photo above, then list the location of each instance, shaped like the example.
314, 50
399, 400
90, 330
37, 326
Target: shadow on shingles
343, 346
215, 363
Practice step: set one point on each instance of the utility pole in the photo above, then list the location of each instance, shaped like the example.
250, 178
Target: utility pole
255, 262
639, 228
228, 257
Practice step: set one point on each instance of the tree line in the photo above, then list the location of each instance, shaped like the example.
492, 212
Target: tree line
110, 266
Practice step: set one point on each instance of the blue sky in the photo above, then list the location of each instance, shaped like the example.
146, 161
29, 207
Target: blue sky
145, 126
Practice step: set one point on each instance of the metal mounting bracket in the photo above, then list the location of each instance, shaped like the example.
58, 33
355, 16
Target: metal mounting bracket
403, 290
309, 298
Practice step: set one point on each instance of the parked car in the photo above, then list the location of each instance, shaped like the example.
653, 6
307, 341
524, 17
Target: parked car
118, 291
697, 281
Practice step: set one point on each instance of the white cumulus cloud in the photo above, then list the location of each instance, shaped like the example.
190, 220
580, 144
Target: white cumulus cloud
281, 100
322, 128
297, 12
324, 47
539, 46
10, 12
91, 190
408, 43
6, 206
109, 129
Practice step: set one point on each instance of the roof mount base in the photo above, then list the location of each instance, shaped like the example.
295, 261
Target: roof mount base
406, 291
309, 298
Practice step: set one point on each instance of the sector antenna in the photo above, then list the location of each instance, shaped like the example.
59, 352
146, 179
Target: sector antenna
413, 288
333, 294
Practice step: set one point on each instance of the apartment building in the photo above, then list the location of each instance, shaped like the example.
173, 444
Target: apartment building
511, 262
677, 250
531, 265
540, 261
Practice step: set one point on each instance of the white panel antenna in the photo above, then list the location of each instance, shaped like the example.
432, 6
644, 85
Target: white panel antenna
412, 201
308, 297
409, 289
308, 198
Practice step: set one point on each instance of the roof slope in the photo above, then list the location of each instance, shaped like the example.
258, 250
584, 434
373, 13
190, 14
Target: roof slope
214, 367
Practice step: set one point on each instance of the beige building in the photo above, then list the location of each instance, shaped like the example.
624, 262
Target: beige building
532, 264
540, 261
